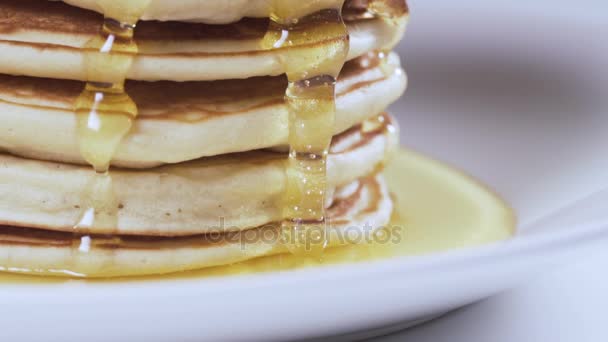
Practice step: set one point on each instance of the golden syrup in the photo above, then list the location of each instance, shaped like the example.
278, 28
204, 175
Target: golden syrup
314, 50
105, 112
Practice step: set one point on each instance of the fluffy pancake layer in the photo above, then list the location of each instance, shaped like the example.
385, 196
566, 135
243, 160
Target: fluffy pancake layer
184, 121
239, 190
363, 205
47, 39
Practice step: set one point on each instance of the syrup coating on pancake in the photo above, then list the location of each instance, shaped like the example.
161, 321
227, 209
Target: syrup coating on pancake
312, 68
105, 112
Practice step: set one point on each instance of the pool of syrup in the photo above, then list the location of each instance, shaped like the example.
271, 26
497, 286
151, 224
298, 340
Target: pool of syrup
436, 209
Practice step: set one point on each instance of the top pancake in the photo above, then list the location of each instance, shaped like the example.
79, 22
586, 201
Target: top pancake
47, 39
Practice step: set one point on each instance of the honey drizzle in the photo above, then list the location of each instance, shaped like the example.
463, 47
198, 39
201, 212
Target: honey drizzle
105, 112
315, 49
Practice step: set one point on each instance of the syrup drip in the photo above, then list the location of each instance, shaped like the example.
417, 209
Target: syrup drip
315, 49
105, 112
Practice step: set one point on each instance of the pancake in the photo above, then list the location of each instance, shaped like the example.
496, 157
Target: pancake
47, 39
224, 11
363, 206
202, 114
184, 121
239, 191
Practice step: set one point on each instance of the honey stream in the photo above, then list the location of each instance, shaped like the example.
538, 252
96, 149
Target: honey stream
105, 112
314, 50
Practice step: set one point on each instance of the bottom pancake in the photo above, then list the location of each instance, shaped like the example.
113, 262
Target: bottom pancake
360, 208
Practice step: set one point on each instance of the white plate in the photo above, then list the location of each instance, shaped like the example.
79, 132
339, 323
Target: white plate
510, 94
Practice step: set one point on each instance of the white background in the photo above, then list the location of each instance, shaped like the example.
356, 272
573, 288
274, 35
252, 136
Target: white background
515, 69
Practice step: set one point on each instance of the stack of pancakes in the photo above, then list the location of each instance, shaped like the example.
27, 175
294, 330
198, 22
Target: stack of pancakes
200, 175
